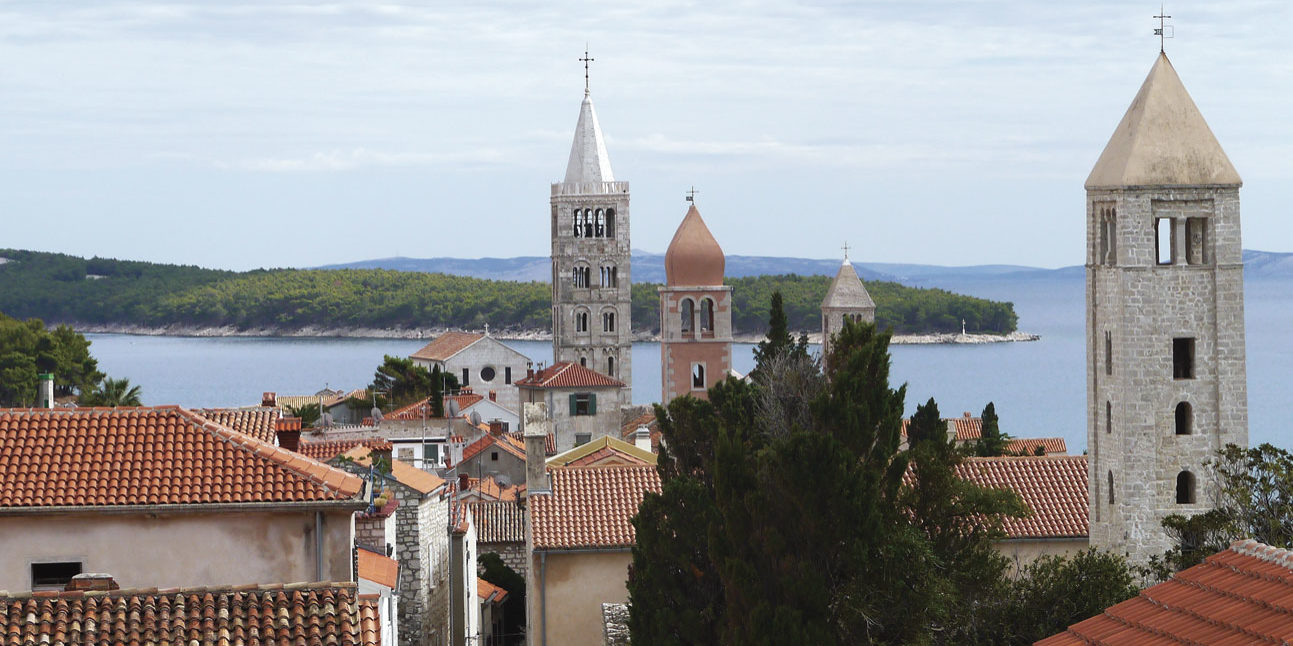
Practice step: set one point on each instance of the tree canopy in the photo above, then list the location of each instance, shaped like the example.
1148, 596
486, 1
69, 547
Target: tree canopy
28, 349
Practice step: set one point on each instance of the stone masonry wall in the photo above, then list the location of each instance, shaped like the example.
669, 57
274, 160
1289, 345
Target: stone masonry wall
513, 555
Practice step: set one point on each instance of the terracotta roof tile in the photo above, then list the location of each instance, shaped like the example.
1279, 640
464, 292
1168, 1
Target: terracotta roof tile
1242, 595
569, 375
258, 421
967, 428
446, 345
327, 449
603, 451
489, 489
590, 507
419, 410
549, 443
498, 522
1028, 445
377, 568
506, 443
488, 592
628, 431
1054, 488
404, 473
150, 456
314, 614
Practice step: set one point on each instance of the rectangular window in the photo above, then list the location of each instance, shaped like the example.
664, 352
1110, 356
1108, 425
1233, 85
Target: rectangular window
1163, 240
406, 453
1108, 417
1183, 358
697, 376
583, 438
430, 452
53, 575
1108, 353
493, 456
507, 375
466, 374
583, 404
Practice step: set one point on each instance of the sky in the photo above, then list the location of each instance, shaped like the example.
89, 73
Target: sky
240, 135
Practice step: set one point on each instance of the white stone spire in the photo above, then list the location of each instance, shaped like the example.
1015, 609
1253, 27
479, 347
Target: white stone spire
847, 291
588, 159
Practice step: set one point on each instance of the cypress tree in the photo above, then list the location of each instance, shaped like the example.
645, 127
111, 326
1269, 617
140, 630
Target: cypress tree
436, 398
992, 442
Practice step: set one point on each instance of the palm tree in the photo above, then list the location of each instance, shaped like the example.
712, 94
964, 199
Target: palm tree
114, 393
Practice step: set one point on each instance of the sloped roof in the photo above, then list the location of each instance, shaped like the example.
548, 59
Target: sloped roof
404, 473
150, 456
589, 161
505, 442
1028, 445
847, 290
1238, 596
498, 521
549, 443
564, 374
378, 568
967, 428
590, 507
446, 345
694, 256
488, 592
601, 451
1162, 140
490, 489
257, 421
419, 410
311, 614
628, 430
1054, 488
327, 449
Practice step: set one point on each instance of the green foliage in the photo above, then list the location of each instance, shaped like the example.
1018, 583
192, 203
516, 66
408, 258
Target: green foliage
494, 570
114, 393
992, 442
310, 414
58, 287
28, 349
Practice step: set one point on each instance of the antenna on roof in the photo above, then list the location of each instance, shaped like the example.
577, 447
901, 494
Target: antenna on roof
1164, 30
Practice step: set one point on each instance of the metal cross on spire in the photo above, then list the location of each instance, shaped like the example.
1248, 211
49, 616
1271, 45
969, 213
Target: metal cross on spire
586, 60
1161, 32
691, 195
846, 249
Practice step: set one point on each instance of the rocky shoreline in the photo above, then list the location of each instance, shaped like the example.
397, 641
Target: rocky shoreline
512, 335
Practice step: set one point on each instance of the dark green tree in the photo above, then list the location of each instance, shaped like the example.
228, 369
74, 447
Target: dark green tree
992, 442
1051, 594
310, 414
27, 349
404, 381
437, 392
778, 339
114, 393
494, 570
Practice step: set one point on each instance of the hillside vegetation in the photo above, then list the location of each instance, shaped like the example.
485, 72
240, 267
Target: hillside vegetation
66, 289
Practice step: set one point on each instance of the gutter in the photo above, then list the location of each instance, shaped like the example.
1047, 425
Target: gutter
192, 508
543, 596
318, 545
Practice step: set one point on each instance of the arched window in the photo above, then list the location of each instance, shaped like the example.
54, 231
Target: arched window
688, 313
1184, 419
1185, 488
599, 230
581, 321
610, 223
583, 362
1111, 487
608, 321
577, 217
706, 315
588, 223
697, 376
610, 366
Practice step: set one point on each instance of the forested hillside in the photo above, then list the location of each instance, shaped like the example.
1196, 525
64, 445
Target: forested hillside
66, 289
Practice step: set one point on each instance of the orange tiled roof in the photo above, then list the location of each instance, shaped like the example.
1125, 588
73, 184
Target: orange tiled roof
488, 592
603, 451
446, 345
489, 489
311, 614
257, 422
1054, 488
150, 456
377, 568
967, 428
628, 431
549, 443
505, 442
403, 472
590, 507
1028, 445
569, 375
419, 410
327, 449
1237, 596
498, 521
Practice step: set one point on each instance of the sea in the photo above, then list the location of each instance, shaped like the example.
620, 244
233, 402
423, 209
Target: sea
1037, 387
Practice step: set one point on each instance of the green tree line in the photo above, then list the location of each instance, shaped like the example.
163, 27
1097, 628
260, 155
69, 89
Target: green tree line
68, 289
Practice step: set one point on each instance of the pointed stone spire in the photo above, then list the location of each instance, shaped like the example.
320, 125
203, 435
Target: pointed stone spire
1162, 140
588, 159
847, 292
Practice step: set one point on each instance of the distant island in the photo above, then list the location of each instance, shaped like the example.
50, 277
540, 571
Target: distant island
99, 294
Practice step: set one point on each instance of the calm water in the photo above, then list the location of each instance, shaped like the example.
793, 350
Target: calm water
1038, 387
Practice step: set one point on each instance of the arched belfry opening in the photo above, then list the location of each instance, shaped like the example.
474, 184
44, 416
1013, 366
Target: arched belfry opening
1185, 488
1184, 419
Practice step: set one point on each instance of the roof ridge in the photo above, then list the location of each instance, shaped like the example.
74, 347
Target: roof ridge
279, 455
1228, 594
128, 592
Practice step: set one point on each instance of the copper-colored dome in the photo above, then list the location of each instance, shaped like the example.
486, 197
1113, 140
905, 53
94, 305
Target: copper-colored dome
694, 257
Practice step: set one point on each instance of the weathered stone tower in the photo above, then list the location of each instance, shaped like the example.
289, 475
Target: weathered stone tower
695, 313
1166, 383
591, 294
847, 298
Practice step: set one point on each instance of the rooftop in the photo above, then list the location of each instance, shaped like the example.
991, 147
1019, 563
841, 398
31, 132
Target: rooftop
150, 456
847, 291
423, 482
324, 450
256, 421
1238, 596
694, 256
498, 521
602, 451
446, 345
589, 161
590, 507
568, 375
1053, 487
378, 568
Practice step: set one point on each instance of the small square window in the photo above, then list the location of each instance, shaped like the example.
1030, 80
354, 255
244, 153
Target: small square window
493, 456
583, 438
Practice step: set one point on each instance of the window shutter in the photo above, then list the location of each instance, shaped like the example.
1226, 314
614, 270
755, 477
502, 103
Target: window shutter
572, 405
592, 404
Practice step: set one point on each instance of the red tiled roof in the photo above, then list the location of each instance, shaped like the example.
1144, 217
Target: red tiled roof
569, 375
590, 507
403, 472
967, 428
312, 614
446, 345
488, 592
150, 456
327, 449
1028, 445
377, 568
257, 422
628, 431
505, 442
489, 489
1054, 488
498, 521
1238, 596
549, 443
419, 410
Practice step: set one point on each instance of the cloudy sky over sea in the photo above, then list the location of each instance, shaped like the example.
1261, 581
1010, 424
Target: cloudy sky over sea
249, 134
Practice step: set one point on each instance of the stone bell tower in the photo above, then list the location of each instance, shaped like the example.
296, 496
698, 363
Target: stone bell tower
591, 289
695, 313
1166, 384
846, 298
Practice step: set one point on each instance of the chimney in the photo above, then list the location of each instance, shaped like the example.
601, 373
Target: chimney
92, 581
269, 400
288, 430
967, 414
464, 483
495, 427
642, 439
493, 395
534, 428
46, 390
